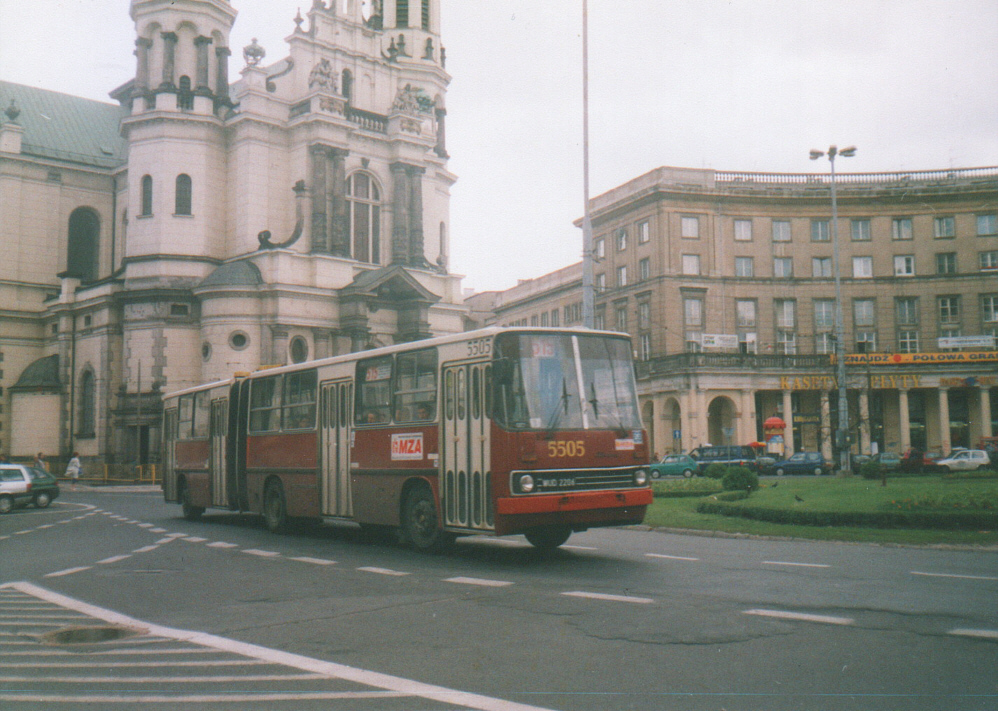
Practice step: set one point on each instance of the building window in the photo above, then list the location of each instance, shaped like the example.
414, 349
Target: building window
987, 225
862, 267
184, 191
599, 284
146, 196
644, 343
863, 313
786, 342
908, 341
949, 309
621, 239
783, 267
989, 260
744, 267
425, 15
534, 320
821, 266
820, 231
904, 265
690, 227
644, 232
600, 248
989, 309
644, 269
402, 13
298, 350
620, 316
743, 230
554, 317
824, 314
901, 228
238, 340
691, 264
944, 227
88, 404
866, 341
745, 313
644, 315
572, 313
824, 343
906, 310
599, 320
946, 263
860, 230
622, 276
786, 320
781, 230
545, 319
364, 211
82, 245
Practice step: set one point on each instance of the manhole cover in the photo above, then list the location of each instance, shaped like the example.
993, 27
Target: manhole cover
89, 635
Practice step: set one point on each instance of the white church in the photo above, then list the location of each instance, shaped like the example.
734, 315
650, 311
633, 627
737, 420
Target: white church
203, 226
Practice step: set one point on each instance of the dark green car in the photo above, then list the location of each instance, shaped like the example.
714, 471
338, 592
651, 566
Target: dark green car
674, 465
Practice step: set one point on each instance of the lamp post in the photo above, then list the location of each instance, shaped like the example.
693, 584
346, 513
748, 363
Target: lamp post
588, 288
842, 434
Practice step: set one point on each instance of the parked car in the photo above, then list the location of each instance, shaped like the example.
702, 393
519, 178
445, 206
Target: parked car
965, 460
915, 460
804, 463
728, 455
888, 461
765, 464
674, 465
21, 485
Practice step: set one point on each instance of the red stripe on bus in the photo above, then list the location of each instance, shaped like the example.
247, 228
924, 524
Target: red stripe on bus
574, 502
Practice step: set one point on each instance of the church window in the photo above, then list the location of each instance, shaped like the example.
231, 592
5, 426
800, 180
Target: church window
299, 350
426, 15
84, 232
346, 84
185, 98
364, 205
183, 196
87, 404
402, 13
146, 195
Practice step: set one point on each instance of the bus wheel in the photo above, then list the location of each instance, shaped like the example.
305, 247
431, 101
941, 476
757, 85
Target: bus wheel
548, 537
275, 508
419, 522
191, 512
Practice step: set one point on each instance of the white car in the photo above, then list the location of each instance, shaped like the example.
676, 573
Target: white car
965, 460
14, 485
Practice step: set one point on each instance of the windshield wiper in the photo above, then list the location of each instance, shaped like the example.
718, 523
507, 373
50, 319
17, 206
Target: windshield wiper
555, 417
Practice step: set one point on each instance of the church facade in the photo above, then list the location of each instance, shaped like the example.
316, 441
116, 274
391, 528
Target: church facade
203, 226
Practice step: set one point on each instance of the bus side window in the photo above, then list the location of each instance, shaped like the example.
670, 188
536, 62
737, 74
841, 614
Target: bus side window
299, 400
374, 392
186, 417
202, 413
265, 405
415, 388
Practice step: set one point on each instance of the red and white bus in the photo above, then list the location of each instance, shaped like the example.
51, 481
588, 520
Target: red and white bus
497, 431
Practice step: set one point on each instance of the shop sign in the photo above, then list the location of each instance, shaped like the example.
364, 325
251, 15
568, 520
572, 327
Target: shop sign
909, 358
719, 341
984, 381
809, 419
967, 342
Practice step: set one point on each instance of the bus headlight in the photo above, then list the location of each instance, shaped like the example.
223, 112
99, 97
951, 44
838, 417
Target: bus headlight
526, 483
641, 477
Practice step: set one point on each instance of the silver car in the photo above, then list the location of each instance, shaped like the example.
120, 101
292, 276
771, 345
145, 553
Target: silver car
15, 484
966, 460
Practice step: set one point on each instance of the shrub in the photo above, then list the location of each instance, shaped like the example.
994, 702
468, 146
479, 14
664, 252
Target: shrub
697, 486
715, 471
740, 479
871, 470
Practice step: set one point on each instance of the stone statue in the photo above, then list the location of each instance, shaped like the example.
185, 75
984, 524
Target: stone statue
322, 75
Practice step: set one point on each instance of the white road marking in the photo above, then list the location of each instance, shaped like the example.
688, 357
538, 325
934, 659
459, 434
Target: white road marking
138, 663
389, 685
173, 679
262, 554
670, 557
382, 571
796, 565
612, 598
201, 699
163, 541
194, 539
954, 575
47, 525
157, 530
145, 549
314, 561
146, 525
479, 581
802, 616
68, 571
222, 544
580, 548
114, 559
173, 535
982, 634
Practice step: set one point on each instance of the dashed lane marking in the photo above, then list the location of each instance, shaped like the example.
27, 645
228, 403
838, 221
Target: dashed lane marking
261, 554
382, 571
479, 581
581, 548
670, 557
145, 549
954, 575
194, 539
611, 598
114, 559
314, 561
802, 616
980, 634
68, 571
222, 544
795, 565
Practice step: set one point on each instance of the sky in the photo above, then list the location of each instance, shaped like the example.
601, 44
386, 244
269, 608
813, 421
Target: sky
738, 85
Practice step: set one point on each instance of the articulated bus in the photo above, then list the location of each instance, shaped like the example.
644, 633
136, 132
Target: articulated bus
530, 431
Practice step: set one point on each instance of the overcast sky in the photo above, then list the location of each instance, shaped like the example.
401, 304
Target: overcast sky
743, 85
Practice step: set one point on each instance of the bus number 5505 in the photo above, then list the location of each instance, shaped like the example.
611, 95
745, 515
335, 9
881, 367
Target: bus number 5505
570, 448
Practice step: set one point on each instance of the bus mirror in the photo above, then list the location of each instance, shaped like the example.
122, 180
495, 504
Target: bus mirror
502, 371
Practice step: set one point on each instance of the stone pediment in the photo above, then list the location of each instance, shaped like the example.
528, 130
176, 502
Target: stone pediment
391, 283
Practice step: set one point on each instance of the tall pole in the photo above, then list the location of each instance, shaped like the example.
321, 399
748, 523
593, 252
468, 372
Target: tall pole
588, 292
842, 433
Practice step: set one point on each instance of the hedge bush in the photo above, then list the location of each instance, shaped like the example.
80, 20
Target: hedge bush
715, 471
697, 486
948, 520
740, 479
871, 470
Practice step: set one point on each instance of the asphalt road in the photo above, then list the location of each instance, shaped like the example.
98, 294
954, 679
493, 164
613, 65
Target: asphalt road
616, 619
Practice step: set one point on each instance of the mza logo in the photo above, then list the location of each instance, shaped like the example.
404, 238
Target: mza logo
407, 446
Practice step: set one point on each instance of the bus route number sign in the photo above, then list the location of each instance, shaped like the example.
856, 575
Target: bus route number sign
479, 347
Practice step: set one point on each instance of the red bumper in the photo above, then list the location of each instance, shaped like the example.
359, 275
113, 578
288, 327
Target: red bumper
576, 501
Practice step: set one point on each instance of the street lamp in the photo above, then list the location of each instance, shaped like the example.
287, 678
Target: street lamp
842, 434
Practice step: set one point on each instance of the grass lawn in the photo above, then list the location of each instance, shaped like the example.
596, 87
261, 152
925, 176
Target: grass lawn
929, 493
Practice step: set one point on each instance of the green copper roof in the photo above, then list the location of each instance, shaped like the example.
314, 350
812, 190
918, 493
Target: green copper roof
65, 127
43, 374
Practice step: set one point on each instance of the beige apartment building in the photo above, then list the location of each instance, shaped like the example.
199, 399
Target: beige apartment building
726, 283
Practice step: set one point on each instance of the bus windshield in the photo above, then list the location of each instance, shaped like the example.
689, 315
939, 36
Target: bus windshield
553, 381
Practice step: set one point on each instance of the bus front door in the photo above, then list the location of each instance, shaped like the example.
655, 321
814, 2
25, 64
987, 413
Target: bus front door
334, 469
217, 456
466, 487
169, 455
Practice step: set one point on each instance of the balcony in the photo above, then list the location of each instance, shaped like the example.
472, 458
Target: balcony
684, 362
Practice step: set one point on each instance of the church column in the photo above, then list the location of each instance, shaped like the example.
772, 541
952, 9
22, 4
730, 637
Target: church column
944, 440
142, 45
222, 72
746, 419
905, 420
337, 202
320, 221
441, 148
417, 255
788, 418
400, 214
864, 422
201, 46
826, 426
169, 59
686, 441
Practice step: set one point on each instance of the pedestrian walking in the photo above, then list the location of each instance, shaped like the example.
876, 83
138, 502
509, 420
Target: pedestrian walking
73, 469
40, 462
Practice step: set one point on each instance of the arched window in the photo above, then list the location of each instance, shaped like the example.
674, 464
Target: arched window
87, 404
185, 99
364, 203
82, 245
146, 195
183, 198
346, 82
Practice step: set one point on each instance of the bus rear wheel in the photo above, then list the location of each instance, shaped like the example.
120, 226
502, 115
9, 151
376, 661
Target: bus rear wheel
548, 537
191, 512
420, 528
275, 508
